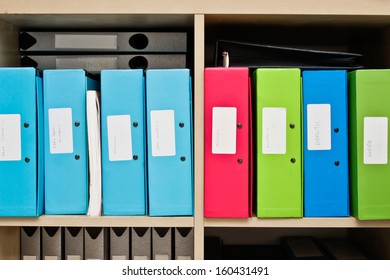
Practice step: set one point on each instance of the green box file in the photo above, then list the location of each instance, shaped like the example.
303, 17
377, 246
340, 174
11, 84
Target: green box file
278, 142
369, 93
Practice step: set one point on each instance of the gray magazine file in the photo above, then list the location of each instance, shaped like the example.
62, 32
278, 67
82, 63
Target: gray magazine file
162, 243
95, 63
119, 243
103, 42
95, 243
30, 243
141, 241
51, 243
74, 243
184, 243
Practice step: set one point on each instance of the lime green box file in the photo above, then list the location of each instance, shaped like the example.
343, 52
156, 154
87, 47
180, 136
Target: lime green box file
369, 93
278, 146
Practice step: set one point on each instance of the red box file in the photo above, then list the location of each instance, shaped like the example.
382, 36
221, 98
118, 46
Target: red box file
228, 160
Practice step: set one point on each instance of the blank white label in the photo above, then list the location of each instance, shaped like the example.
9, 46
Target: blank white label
318, 127
51, 258
375, 140
30, 258
274, 130
119, 258
73, 257
119, 138
163, 133
161, 257
91, 64
224, 132
10, 137
140, 258
61, 131
184, 258
73, 41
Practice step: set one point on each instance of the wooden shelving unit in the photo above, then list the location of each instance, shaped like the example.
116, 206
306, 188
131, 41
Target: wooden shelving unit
207, 20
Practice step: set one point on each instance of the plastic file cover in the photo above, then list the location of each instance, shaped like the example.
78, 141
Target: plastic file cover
104, 42
242, 54
369, 114
96, 63
227, 171
169, 122
123, 142
66, 155
21, 142
325, 138
278, 142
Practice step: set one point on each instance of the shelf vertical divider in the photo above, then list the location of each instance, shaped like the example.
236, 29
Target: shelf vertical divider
199, 48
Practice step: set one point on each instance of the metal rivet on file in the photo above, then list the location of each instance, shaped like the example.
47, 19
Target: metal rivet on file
77, 157
135, 157
135, 124
183, 158
336, 130
181, 125
239, 125
77, 124
240, 160
27, 159
337, 163
292, 125
293, 160
26, 125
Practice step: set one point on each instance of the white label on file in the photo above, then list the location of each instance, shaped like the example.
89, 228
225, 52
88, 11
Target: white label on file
161, 257
274, 130
184, 258
91, 64
10, 137
50, 258
224, 132
163, 133
375, 140
61, 131
119, 138
73, 257
30, 258
318, 127
74, 41
140, 258
119, 258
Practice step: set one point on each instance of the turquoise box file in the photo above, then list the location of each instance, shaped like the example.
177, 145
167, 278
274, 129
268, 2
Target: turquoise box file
66, 151
169, 133
123, 142
325, 116
21, 144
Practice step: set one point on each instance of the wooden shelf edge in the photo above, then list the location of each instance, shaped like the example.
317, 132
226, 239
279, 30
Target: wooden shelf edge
103, 221
348, 222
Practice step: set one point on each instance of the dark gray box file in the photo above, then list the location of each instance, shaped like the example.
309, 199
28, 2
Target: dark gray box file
119, 243
95, 63
162, 243
30, 243
51, 243
95, 242
74, 243
103, 41
141, 239
184, 243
